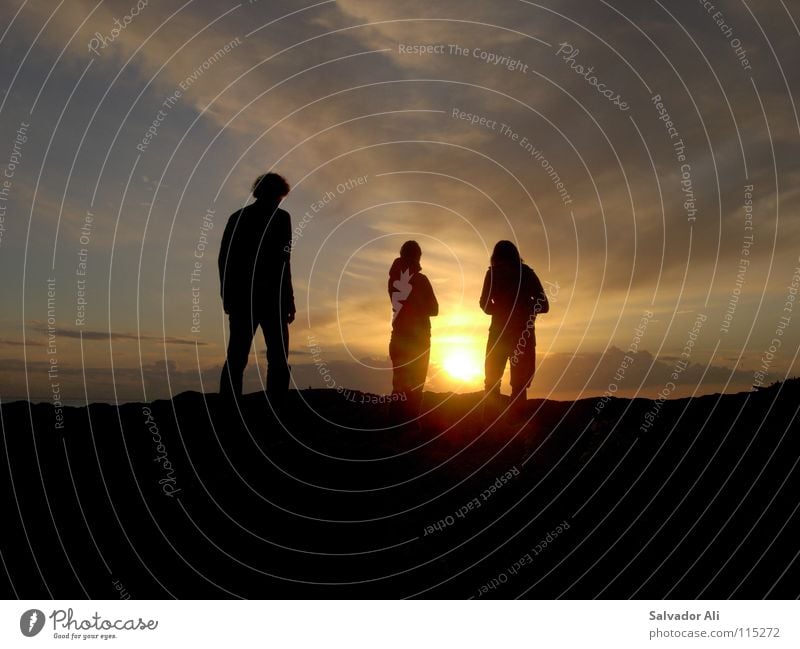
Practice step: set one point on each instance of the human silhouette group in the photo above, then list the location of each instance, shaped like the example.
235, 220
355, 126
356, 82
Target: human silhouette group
256, 290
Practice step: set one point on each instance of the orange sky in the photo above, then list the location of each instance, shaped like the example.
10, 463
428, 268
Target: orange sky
497, 131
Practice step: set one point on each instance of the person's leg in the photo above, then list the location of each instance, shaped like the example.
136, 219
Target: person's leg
524, 366
420, 354
422, 362
276, 338
495, 363
497, 353
398, 356
397, 408
401, 352
242, 327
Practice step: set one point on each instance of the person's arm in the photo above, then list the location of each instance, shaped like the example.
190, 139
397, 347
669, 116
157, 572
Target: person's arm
224, 255
287, 291
431, 304
486, 293
539, 297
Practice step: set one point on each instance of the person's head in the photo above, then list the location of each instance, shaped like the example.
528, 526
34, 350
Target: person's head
505, 253
411, 251
271, 187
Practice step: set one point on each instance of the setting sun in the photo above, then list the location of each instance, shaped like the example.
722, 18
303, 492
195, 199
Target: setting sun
463, 365
457, 350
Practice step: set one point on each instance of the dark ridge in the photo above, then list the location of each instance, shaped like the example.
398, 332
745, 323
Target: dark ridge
318, 496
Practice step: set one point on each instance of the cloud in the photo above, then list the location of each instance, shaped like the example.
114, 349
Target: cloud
18, 343
88, 334
325, 107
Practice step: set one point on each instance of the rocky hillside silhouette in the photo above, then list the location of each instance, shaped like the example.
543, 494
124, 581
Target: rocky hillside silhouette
320, 496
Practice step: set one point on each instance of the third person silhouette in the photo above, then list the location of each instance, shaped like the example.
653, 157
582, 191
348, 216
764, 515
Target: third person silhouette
513, 295
413, 304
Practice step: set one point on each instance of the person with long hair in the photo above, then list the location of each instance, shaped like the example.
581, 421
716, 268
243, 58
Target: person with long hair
513, 295
413, 305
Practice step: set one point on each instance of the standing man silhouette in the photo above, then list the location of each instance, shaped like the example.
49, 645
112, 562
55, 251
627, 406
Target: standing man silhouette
256, 284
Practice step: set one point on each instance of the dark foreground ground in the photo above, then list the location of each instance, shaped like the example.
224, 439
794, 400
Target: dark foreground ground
188, 498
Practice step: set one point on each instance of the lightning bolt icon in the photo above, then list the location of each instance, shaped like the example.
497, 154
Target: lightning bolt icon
403, 288
32, 621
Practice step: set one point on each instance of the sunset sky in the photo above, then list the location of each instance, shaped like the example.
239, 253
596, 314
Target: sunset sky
655, 195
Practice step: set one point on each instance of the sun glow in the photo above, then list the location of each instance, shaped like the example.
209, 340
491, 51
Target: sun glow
463, 365
457, 350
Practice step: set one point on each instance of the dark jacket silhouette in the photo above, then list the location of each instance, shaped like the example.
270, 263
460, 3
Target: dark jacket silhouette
513, 295
413, 304
256, 288
413, 301
254, 260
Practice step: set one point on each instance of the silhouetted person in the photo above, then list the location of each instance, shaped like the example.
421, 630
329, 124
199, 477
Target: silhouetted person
256, 284
513, 295
413, 304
